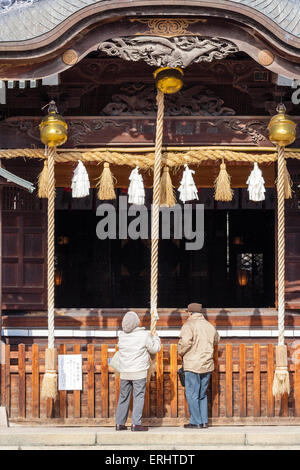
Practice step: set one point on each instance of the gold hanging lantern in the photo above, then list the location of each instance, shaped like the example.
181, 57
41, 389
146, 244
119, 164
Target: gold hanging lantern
53, 128
282, 130
168, 79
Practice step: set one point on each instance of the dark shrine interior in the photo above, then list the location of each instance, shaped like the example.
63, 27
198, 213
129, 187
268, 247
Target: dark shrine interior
235, 267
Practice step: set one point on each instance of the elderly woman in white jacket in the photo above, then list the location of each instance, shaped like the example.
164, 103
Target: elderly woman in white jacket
135, 346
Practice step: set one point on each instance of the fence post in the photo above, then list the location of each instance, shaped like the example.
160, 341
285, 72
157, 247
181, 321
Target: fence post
62, 393
243, 381
146, 410
174, 380
297, 380
2, 374
228, 380
7, 378
77, 393
284, 405
256, 379
117, 384
270, 377
91, 381
35, 381
160, 383
215, 384
22, 380
104, 380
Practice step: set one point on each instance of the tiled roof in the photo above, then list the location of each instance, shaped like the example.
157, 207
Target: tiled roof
30, 19
7, 4
27, 19
285, 13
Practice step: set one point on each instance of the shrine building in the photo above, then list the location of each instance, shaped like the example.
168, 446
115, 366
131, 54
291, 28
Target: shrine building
96, 65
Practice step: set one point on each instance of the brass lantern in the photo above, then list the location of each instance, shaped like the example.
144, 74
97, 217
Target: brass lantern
282, 130
53, 128
168, 79
243, 277
58, 277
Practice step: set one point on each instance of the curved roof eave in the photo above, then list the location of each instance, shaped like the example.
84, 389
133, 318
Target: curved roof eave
51, 27
29, 21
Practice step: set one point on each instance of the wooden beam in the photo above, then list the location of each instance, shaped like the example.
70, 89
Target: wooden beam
139, 131
11, 178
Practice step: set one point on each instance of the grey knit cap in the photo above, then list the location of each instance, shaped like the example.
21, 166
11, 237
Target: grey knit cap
130, 321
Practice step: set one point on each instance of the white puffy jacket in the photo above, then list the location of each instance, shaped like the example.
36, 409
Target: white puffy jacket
135, 349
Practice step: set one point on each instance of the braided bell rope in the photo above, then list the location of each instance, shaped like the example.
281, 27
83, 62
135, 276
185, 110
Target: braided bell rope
281, 244
51, 244
155, 210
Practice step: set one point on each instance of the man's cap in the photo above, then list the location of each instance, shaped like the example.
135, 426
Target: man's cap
194, 308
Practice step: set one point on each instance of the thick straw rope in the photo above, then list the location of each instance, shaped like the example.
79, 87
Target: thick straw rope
155, 210
281, 245
49, 386
281, 383
51, 247
144, 157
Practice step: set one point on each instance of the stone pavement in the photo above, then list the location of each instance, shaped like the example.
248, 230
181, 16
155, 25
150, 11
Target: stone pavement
18, 437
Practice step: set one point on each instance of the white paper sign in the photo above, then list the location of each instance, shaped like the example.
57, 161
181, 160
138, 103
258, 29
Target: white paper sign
69, 372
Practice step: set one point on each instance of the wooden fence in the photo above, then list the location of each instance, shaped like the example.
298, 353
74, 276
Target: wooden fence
240, 390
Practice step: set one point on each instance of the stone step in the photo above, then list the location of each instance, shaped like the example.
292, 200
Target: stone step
155, 438
114, 449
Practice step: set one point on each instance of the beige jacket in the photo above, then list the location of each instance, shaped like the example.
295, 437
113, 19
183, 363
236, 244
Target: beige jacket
135, 349
196, 344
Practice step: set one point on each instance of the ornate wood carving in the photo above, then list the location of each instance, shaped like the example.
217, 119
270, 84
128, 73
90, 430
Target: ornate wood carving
114, 70
163, 52
89, 85
167, 27
256, 131
138, 99
136, 130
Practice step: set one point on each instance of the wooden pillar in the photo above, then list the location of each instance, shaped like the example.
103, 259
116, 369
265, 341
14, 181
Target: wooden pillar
1, 346
1, 189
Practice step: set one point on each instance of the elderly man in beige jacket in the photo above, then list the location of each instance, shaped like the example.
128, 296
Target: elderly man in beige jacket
196, 345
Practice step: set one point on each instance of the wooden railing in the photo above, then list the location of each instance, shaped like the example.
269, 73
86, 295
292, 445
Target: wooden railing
240, 390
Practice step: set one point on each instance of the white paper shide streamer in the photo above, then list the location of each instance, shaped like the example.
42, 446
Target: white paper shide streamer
136, 190
80, 181
187, 189
256, 185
